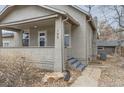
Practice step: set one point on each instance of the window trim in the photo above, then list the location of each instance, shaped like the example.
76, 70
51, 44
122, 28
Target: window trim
69, 35
45, 32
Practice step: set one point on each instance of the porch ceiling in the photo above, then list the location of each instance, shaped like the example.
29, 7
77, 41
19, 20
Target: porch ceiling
38, 22
30, 24
35, 24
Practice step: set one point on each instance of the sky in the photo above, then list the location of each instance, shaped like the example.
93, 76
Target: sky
1, 7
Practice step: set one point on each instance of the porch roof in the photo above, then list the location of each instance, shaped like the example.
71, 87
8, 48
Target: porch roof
8, 8
111, 43
6, 25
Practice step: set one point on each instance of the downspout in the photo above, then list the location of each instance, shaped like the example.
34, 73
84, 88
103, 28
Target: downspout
94, 49
63, 56
87, 42
86, 45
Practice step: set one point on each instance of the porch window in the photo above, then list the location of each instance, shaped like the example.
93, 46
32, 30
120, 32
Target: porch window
42, 38
67, 40
25, 39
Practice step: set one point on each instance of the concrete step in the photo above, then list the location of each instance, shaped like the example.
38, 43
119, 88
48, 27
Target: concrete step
72, 61
76, 64
81, 67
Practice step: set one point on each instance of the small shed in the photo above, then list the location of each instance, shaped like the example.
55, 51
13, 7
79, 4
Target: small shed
108, 46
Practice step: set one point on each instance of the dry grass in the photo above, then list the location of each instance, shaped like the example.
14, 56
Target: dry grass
17, 71
113, 73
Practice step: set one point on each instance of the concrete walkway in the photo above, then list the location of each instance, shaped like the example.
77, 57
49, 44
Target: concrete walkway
88, 78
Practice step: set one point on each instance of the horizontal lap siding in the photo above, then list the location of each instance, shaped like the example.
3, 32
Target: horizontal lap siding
43, 57
25, 12
78, 33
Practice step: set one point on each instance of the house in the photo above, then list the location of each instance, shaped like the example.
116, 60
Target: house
109, 46
53, 34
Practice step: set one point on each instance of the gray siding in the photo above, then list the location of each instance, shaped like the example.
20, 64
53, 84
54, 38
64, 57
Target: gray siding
42, 57
25, 12
78, 33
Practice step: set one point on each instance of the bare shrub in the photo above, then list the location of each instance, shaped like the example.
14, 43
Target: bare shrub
19, 73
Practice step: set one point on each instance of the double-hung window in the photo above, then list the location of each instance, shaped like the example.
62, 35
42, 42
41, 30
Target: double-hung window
25, 39
67, 36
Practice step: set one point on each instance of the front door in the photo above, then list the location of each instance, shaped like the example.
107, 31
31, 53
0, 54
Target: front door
42, 38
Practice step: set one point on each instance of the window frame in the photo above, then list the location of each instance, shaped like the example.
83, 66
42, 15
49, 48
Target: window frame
28, 37
68, 25
45, 36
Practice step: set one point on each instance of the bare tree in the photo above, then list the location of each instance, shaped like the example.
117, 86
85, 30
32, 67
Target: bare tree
90, 7
120, 15
116, 14
113, 15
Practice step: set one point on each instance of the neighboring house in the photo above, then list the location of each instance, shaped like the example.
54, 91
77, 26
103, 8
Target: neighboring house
8, 40
49, 35
108, 46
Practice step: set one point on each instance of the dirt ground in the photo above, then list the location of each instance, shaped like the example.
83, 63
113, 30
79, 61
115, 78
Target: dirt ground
19, 72
112, 72
60, 82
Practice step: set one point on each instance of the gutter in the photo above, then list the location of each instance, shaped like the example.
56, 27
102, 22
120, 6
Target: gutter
91, 22
87, 14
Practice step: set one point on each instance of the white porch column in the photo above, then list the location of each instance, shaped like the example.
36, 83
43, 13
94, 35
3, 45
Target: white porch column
1, 41
18, 39
59, 45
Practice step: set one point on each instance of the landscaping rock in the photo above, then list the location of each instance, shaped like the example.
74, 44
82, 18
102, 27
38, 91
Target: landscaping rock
50, 77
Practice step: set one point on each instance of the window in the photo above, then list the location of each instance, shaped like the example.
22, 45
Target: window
42, 38
6, 44
100, 47
42, 34
67, 36
42, 41
67, 40
25, 39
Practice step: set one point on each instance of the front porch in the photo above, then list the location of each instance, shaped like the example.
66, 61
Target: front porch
41, 41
